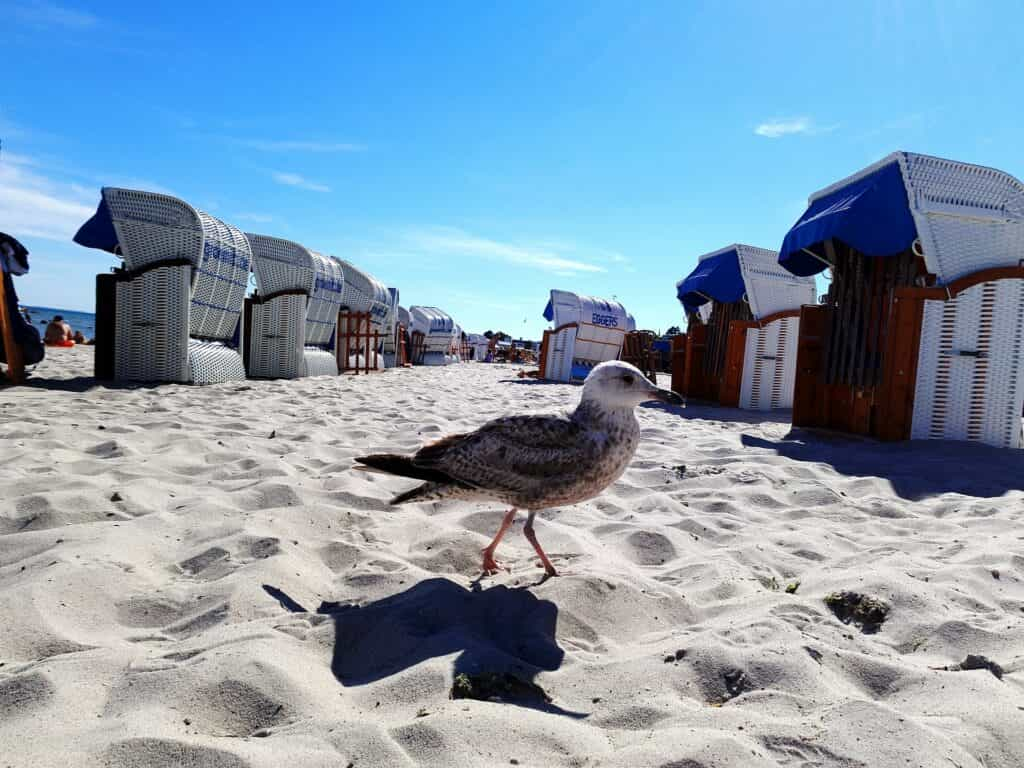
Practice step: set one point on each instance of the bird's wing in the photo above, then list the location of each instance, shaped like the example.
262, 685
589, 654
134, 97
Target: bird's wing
510, 454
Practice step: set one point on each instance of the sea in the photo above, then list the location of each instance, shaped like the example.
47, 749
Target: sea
79, 321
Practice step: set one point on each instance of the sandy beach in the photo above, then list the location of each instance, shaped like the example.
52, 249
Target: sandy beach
195, 576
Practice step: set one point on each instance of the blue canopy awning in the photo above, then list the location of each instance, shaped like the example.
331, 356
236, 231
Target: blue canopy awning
549, 312
716, 277
871, 215
98, 232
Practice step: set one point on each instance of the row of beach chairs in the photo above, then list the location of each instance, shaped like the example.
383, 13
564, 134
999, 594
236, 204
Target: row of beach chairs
921, 332
178, 312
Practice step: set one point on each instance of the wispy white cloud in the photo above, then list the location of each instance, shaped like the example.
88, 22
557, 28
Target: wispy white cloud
36, 206
259, 218
295, 180
294, 145
778, 127
39, 13
452, 241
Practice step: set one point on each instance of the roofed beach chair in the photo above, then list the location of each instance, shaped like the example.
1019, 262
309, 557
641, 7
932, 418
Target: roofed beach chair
172, 313
922, 331
292, 318
365, 305
741, 342
478, 346
433, 329
587, 331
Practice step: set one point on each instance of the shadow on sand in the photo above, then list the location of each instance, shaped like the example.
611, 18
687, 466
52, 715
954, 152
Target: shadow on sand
917, 469
497, 630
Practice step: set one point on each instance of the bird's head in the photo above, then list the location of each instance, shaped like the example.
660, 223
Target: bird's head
616, 384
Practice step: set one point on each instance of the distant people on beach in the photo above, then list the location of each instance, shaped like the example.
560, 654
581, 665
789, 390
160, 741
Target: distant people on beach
79, 338
58, 332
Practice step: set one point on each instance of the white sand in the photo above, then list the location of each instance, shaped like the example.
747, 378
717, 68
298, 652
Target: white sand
135, 629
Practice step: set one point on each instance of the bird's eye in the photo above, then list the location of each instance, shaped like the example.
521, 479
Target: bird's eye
628, 380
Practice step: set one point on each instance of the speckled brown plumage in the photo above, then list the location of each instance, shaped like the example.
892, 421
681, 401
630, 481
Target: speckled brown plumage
535, 462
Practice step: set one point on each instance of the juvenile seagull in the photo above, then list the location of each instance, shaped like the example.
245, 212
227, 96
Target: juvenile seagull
535, 462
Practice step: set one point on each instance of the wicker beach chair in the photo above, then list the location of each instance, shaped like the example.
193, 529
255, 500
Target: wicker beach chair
922, 331
365, 304
741, 346
291, 320
587, 331
436, 327
174, 308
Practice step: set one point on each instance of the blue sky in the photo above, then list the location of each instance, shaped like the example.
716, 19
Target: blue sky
478, 154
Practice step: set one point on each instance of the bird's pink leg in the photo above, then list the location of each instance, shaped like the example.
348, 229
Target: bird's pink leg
490, 565
549, 569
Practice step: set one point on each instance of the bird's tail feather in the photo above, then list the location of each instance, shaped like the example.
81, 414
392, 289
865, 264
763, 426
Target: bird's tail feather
403, 466
425, 492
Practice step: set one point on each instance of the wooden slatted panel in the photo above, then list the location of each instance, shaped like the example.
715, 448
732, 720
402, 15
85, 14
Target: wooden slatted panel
732, 375
895, 410
808, 390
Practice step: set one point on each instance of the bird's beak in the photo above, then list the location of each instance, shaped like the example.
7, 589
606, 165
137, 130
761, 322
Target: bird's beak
666, 396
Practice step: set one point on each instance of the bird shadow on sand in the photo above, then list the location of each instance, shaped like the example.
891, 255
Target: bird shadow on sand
917, 469
500, 630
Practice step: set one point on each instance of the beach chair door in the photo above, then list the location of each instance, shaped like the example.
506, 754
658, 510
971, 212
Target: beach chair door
970, 366
770, 369
732, 375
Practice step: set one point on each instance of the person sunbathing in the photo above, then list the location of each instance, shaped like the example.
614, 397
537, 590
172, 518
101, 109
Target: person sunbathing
57, 332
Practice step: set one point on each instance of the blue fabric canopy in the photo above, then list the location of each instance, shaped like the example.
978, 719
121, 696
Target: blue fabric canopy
717, 277
871, 215
98, 232
549, 312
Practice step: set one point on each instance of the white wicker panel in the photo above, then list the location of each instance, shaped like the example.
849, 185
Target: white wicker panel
152, 227
389, 345
221, 280
213, 362
769, 287
275, 337
151, 331
561, 350
364, 293
436, 326
968, 217
281, 265
324, 301
320, 362
972, 397
769, 365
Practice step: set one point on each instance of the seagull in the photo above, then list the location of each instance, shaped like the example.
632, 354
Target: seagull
534, 462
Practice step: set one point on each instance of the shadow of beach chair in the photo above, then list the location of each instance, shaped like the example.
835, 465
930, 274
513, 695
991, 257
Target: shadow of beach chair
174, 308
